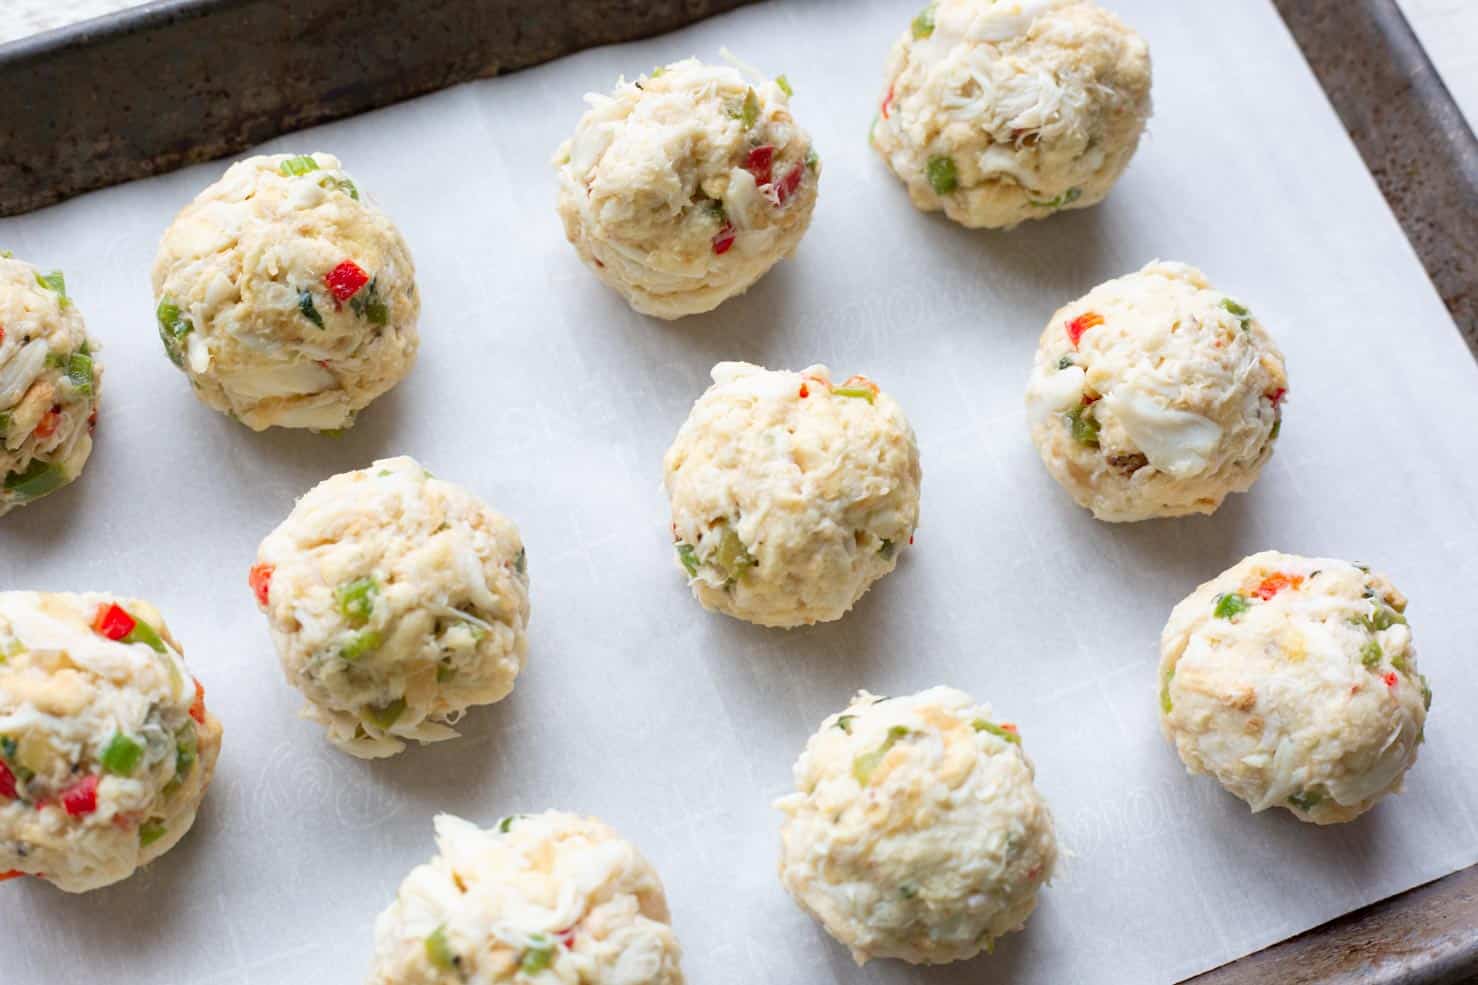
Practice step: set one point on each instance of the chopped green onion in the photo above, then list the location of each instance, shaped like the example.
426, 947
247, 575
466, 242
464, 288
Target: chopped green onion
1066, 198
339, 184
538, 956
1400, 662
1382, 618
1065, 362
6, 254
521, 563
438, 951
1370, 655
505, 825
689, 558
923, 24
1165, 703
732, 556
1277, 427
385, 715
845, 723
185, 746
4, 423
361, 643
1229, 605
888, 549
150, 832
143, 633
861, 392
121, 755
1307, 800
864, 765
658, 72
368, 304
308, 309
943, 177
1242, 314
172, 330
295, 166
1084, 425
37, 480
784, 85
56, 282
444, 673
1421, 681
813, 160
981, 725
79, 373
356, 599
748, 113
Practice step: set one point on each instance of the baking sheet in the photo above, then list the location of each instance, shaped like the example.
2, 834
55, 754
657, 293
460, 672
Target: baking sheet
539, 390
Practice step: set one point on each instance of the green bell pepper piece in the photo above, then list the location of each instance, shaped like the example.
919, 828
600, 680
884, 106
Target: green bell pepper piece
121, 755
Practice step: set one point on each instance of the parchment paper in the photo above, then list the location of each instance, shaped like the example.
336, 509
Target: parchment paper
539, 390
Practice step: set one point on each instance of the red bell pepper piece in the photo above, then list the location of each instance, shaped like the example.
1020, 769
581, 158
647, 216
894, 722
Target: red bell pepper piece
345, 280
260, 580
81, 797
197, 707
724, 239
113, 622
7, 783
790, 184
1081, 324
1275, 583
49, 423
760, 163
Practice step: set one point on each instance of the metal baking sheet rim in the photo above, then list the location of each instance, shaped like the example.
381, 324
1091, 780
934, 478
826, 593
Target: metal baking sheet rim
1427, 936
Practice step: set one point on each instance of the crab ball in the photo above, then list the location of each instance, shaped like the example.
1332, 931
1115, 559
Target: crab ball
106, 748
285, 296
681, 189
1155, 395
49, 384
396, 601
546, 897
1002, 112
790, 494
916, 830
1293, 681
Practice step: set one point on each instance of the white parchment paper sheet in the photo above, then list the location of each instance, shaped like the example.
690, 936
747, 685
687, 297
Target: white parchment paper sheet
539, 390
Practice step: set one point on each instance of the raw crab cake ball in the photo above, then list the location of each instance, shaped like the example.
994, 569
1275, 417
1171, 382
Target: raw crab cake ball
1001, 112
106, 748
546, 897
916, 831
1293, 681
681, 189
285, 296
1155, 395
396, 602
790, 494
49, 384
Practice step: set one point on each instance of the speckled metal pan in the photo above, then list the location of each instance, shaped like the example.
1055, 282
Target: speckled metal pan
1410, 132
181, 81
176, 82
